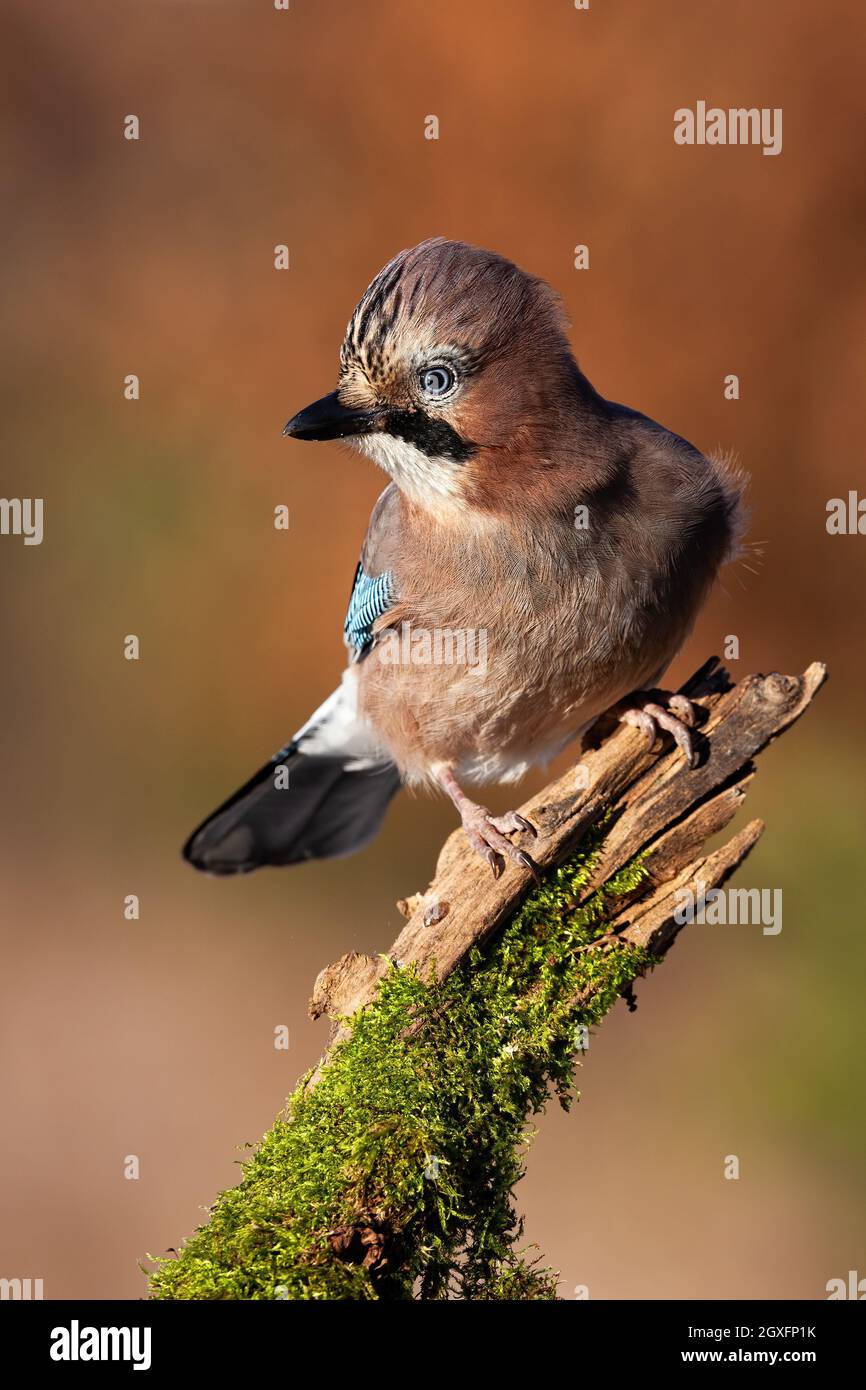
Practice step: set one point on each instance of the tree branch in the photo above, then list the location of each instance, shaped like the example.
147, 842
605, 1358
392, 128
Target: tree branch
391, 1173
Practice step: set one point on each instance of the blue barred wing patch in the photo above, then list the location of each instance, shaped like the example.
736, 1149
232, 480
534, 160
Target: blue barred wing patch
370, 598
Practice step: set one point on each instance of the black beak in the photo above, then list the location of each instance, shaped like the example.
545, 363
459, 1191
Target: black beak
329, 419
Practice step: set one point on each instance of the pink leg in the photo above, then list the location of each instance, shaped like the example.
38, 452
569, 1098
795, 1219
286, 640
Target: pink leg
485, 833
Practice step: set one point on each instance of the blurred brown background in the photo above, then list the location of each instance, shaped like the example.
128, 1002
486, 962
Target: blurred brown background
154, 1037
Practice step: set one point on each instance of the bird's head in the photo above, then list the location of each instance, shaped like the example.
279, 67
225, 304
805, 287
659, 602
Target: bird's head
455, 372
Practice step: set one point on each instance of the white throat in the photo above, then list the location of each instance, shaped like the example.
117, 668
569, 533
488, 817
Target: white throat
432, 482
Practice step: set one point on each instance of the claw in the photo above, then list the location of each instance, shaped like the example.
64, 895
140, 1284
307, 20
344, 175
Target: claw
674, 726
511, 821
530, 864
683, 709
651, 716
495, 861
523, 824
640, 719
487, 834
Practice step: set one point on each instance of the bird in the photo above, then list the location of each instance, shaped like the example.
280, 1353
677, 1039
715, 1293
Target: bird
571, 538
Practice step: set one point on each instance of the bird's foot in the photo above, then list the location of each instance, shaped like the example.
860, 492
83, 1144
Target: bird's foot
487, 836
651, 716
486, 833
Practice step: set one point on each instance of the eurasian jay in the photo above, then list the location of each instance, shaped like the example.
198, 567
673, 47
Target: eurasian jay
571, 539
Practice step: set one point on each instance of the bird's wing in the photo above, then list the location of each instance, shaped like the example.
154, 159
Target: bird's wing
375, 588
325, 792
371, 597
322, 795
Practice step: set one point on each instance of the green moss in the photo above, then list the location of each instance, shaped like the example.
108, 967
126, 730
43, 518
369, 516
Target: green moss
408, 1148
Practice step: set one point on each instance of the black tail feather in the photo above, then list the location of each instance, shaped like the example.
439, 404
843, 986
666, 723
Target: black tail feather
328, 809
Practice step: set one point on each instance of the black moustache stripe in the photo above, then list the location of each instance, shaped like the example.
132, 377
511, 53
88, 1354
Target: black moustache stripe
433, 436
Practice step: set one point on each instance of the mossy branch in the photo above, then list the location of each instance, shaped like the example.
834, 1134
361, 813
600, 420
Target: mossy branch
391, 1172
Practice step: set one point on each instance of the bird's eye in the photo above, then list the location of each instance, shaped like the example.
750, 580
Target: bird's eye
437, 381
